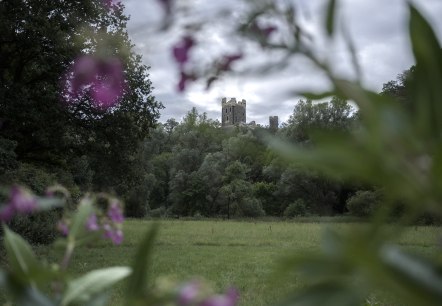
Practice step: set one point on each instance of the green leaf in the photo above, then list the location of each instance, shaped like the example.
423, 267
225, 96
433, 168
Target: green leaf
79, 219
418, 278
84, 288
137, 282
49, 203
330, 19
427, 90
20, 256
33, 297
3, 278
317, 96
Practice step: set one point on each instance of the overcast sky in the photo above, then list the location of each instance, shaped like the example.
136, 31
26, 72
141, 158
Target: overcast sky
378, 27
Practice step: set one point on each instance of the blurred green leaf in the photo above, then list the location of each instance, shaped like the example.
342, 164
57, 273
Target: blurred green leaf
3, 278
419, 279
49, 203
21, 258
317, 96
100, 299
79, 220
85, 287
330, 19
32, 297
137, 282
428, 79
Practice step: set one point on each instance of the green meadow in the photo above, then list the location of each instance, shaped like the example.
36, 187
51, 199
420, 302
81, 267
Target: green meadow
226, 253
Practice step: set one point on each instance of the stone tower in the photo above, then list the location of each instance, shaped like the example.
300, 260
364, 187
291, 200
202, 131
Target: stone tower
233, 112
273, 123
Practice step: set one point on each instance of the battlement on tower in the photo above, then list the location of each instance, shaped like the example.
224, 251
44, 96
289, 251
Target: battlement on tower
233, 101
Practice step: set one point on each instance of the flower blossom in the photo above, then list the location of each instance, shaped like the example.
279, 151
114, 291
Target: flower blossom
91, 223
189, 293
102, 79
228, 60
20, 201
114, 234
263, 33
115, 213
63, 228
181, 50
228, 299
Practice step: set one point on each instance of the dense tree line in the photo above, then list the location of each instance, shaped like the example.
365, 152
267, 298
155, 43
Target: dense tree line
197, 168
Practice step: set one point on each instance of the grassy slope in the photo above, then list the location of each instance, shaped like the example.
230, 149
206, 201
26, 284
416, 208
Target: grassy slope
242, 254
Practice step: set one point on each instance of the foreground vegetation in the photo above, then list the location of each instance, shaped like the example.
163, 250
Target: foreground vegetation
225, 253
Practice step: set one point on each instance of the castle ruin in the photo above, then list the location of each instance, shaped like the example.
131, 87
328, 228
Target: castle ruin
233, 112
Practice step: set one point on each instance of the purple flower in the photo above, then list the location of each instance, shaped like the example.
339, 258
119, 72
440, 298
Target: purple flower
22, 200
227, 61
263, 33
115, 235
7, 213
63, 227
184, 78
188, 293
229, 299
102, 79
181, 50
91, 223
115, 213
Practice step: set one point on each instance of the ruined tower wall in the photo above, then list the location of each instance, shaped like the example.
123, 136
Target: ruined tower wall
233, 112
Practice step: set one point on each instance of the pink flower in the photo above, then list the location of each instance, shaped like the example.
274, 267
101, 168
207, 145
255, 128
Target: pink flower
227, 61
63, 228
115, 235
102, 79
91, 223
115, 213
262, 33
229, 299
22, 200
181, 50
7, 213
188, 293
185, 78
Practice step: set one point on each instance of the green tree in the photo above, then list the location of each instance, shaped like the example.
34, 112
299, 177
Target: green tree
39, 43
308, 116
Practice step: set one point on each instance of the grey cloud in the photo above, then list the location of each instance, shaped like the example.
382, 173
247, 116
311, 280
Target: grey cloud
377, 27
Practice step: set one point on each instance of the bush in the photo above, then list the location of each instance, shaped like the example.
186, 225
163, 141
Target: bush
35, 178
158, 212
38, 228
296, 209
363, 203
249, 207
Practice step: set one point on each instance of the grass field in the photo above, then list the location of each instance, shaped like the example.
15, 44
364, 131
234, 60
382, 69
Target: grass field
225, 253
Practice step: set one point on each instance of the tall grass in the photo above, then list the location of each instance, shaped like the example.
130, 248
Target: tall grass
227, 253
